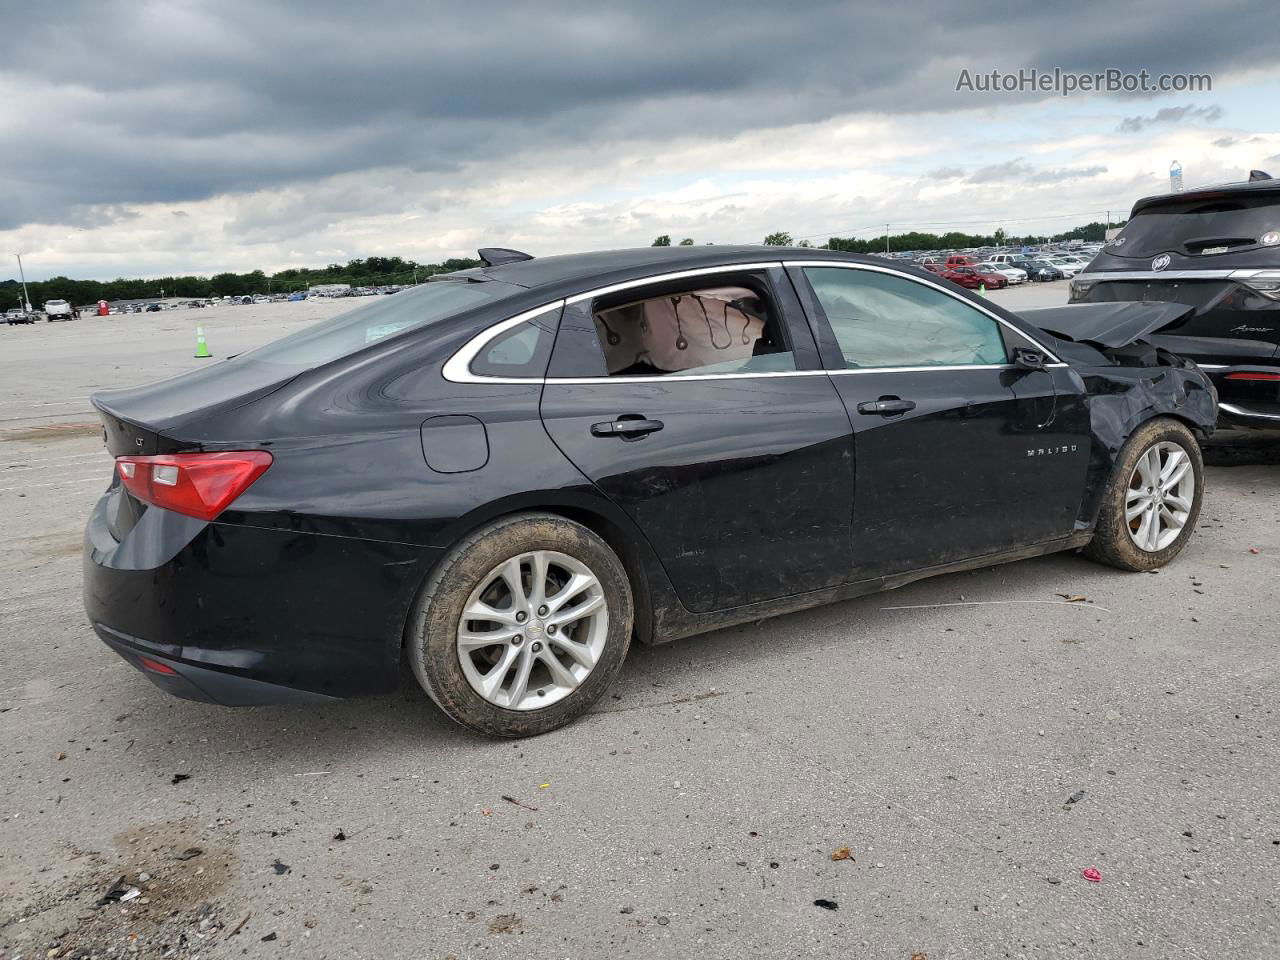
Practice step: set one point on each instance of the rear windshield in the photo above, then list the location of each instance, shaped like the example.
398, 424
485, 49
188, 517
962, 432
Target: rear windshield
1194, 226
385, 316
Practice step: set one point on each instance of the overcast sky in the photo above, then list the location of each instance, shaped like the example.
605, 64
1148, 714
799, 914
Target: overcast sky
203, 135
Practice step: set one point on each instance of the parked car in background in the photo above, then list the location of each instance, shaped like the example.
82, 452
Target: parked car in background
1216, 249
58, 310
18, 315
464, 476
1068, 268
961, 260
1014, 275
1040, 271
972, 278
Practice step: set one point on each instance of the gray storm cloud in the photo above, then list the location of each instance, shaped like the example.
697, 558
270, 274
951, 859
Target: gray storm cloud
178, 102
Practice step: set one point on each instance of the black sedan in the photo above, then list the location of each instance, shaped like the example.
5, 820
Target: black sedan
507, 474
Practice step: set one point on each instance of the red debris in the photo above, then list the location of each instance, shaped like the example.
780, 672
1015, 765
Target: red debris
1092, 875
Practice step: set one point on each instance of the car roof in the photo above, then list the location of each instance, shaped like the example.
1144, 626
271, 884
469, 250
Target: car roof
1211, 192
608, 266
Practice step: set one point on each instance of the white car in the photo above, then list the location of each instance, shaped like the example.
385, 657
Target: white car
58, 310
1069, 268
1008, 271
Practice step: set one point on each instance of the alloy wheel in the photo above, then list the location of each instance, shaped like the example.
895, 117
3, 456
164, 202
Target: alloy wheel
1160, 496
533, 630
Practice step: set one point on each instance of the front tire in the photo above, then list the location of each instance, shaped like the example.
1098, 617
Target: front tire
1152, 501
523, 626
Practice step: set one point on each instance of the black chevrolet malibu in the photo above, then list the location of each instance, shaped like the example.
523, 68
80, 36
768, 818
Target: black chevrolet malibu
507, 474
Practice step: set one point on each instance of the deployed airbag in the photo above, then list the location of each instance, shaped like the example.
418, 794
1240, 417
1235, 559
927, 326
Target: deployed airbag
684, 331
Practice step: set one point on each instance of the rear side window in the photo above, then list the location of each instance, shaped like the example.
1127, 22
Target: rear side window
1199, 227
385, 317
519, 352
882, 320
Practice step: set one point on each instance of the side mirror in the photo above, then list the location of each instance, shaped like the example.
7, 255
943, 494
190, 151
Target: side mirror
1027, 359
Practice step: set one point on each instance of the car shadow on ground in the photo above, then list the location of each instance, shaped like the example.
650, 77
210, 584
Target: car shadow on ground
1242, 453
313, 739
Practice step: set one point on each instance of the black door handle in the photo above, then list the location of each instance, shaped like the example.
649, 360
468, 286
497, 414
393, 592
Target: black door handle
626, 429
886, 406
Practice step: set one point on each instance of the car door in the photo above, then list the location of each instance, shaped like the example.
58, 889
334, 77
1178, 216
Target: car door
739, 470
959, 453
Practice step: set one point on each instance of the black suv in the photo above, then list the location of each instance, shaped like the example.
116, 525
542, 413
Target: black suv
1216, 249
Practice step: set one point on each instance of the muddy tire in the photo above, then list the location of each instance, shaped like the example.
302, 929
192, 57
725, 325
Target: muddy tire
1152, 501
522, 626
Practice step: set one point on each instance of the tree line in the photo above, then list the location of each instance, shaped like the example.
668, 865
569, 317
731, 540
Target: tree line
368, 272
913, 240
379, 271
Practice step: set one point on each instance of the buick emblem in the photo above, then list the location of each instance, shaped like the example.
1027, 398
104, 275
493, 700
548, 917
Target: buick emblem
1160, 262
1271, 238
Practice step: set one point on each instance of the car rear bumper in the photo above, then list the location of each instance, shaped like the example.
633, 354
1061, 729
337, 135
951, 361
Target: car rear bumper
191, 682
246, 615
1246, 405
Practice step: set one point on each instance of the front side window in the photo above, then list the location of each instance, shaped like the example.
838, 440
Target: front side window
882, 320
697, 330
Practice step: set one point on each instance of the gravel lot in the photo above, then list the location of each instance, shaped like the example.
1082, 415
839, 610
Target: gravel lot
695, 812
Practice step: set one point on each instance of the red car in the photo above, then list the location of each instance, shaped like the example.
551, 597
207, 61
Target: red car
975, 277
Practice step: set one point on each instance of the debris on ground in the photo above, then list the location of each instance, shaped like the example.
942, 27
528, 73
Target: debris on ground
826, 904
118, 892
505, 923
841, 854
269, 937
1074, 597
1075, 797
188, 854
519, 803
239, 924
340, 836
179, 777
1092, 875
280, 868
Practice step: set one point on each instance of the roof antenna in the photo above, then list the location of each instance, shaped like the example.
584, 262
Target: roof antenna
496, 256
1255, 175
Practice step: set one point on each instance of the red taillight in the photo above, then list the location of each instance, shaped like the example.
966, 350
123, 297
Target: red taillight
155, 666
196, 484
1253, 376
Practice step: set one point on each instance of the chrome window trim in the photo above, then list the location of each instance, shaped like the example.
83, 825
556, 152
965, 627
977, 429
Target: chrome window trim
663, 277
926, 283
457, 368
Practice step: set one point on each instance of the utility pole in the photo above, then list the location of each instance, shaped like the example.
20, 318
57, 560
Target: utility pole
886, 239
25, 296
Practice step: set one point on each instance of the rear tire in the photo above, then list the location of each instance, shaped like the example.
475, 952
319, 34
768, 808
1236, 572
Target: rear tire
530, 608
1146, 519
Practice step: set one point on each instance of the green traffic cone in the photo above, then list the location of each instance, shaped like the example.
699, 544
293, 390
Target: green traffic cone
202, 349
982, 292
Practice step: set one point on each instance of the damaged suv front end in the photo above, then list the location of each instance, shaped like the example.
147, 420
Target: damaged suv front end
1216, 250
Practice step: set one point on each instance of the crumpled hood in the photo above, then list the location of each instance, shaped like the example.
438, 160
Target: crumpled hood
1107, 324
